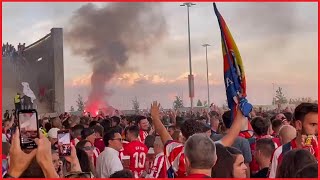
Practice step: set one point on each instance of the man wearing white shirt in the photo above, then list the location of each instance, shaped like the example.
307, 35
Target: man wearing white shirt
108, 161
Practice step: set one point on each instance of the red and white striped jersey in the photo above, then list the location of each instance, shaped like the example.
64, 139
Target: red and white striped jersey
142, 135
158, 168
280, 151
175, 165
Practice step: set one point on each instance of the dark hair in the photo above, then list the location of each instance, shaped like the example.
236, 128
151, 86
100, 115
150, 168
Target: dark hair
116, 119
76, 130
191, 127
214, 114
173, 127
176, 135
224, 165
83, 160
93, 123
139, 118
106, 124
66, 124
82, 143
276, 124
293, 161
260, 125
266, 146
149, 141
48, 126
122, 174
227, 121
288, 116
303, 109
134, 130
309, 171
109, 135
98, 129
33, 171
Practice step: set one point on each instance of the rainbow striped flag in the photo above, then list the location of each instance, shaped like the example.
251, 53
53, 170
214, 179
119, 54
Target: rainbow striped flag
234, 76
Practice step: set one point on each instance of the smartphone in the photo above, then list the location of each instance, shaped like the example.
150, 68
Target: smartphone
29, 128
64, 143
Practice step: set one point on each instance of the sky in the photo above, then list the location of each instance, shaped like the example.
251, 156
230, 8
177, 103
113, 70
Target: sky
277, 43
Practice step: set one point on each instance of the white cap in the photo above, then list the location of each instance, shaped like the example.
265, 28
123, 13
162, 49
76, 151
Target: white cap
53, 133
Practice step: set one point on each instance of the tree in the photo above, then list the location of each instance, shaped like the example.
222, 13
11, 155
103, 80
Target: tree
205, 104
71, 109
178, 103
297, 101
80, 103
136, 105
280, 97
199, 103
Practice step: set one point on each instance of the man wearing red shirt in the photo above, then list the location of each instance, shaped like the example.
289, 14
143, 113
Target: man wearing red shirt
306, 124
144, 126
137, 152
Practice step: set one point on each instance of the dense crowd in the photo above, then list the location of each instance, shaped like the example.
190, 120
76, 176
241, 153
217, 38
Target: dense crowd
8, 50
169, 145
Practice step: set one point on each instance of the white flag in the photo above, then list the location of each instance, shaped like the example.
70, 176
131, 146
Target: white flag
27, 91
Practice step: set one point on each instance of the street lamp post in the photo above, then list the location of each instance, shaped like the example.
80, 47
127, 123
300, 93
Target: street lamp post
190, 77
206, 46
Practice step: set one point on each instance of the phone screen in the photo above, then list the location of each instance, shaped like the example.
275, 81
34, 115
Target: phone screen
28, 129
64, 143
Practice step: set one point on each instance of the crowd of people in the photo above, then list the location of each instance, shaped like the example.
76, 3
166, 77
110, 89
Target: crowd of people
8, 50
203, 145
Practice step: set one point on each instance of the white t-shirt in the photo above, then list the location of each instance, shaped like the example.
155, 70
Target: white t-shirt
108, 162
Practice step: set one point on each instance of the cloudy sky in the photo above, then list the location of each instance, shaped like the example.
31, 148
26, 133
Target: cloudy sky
277, 42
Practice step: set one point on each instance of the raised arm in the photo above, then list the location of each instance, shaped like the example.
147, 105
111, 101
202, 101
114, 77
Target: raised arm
159, 127
234, 131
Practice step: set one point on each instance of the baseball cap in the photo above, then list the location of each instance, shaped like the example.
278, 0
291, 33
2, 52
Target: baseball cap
53, 133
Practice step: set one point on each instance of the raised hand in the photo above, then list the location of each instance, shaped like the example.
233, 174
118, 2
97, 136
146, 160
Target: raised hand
19, 160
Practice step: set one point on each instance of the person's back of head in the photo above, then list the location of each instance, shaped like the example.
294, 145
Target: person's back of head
122, 174
158, 145
287, 133
224, 165
76, 130
260, 126
191, 127
276, 125
264, 149
149, 141
98, 130
226, 118
200, 152
33, 171
309, 171
133, 132
293, 161
115, 121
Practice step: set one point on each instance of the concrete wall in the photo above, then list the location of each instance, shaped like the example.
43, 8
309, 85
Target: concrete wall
42, 67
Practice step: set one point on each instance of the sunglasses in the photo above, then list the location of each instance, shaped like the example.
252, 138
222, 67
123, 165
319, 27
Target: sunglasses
88, 148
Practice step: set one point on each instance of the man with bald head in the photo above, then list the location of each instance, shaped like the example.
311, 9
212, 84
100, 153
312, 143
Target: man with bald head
287, 133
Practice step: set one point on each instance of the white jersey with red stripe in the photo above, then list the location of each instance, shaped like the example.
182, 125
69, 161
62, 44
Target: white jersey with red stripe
158, 169
96, 153
121, 156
